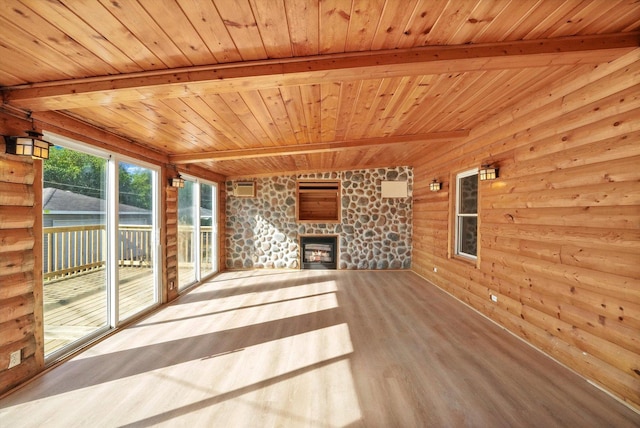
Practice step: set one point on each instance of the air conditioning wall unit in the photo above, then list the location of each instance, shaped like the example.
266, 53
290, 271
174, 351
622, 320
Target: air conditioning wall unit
244, 189
394, 189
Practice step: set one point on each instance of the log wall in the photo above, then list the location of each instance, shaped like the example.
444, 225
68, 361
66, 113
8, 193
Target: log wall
20, 295
559, 230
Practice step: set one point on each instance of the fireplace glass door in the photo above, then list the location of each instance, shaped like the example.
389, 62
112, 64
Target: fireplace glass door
318, 252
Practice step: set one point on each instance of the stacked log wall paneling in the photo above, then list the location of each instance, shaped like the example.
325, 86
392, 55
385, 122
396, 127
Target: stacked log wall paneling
559, 230
20, 283
171, 246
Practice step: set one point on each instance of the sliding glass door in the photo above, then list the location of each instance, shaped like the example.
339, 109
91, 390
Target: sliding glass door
136, 240
186, 235
197, 231
100, 243
76, 293
208, 229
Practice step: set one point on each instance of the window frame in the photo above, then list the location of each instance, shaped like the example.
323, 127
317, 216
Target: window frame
458, 216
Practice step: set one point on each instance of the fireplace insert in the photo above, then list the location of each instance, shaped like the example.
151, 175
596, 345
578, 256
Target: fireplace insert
318, 252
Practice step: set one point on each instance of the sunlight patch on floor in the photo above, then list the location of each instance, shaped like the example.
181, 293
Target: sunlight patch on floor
280, 377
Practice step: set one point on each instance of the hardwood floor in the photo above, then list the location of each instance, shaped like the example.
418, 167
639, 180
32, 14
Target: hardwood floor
313, 349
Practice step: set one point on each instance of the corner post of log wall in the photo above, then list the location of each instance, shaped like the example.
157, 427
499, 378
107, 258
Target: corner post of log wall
222, 222
170, 219
38, 286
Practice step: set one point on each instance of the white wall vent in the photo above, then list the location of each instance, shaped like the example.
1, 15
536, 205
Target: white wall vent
244, 189
394, 189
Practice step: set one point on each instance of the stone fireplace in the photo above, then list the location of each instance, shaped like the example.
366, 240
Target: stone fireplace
374, 232
319, 252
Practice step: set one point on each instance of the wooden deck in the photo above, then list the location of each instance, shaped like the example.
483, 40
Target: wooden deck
313, 349
77, 306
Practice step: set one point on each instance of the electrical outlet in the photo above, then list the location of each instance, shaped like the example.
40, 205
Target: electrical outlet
14, 359
494, 298
435, 269
171, 285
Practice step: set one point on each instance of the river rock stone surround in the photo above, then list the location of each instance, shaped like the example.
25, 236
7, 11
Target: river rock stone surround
374, 233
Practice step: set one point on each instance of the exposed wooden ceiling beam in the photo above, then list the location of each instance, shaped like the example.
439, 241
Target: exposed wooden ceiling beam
238, 77
65, 125
315, 148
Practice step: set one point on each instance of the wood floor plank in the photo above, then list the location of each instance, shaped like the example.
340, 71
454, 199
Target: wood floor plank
313, 349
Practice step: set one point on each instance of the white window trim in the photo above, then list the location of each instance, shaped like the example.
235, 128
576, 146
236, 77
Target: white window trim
459, 215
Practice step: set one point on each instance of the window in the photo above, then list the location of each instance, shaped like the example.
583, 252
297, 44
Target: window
466, 229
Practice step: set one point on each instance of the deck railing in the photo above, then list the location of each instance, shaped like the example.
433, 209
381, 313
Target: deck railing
185, 244
70, 250
73, 250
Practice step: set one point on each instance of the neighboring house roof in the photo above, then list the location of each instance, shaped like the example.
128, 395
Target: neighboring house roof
58, 201
188, 212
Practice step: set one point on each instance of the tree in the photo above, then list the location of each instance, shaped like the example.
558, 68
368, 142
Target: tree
77, 172
135, 186
87, 175
185, 204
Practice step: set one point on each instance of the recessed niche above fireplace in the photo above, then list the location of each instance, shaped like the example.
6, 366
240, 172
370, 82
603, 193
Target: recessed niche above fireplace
319, 252
318, 201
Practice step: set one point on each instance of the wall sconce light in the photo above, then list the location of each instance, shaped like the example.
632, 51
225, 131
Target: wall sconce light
176, 182
33, 145
488, 172
435, 185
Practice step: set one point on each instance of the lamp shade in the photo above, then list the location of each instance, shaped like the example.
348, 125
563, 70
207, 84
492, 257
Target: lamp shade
435, 185
33, 145
176, 182
488, 172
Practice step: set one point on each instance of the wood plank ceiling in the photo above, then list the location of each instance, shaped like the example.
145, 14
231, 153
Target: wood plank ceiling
247, 87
